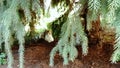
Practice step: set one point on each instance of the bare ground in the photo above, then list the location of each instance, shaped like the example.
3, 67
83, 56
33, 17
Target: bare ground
100, 51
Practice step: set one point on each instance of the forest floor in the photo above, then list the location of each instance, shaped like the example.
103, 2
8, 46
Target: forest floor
100, 51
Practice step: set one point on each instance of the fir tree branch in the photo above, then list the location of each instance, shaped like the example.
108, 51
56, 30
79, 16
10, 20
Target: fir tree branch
72, 34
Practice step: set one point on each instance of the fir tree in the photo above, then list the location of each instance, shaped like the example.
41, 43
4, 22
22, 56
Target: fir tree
21, 18
72, 34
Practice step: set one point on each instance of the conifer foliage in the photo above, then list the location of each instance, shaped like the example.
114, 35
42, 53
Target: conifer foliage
21, 18
72, 34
